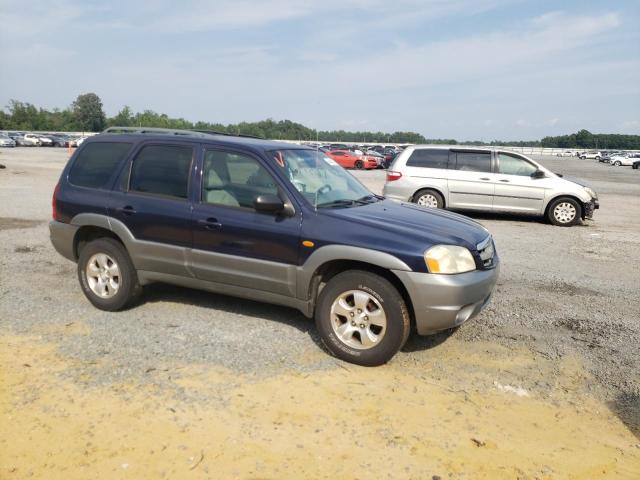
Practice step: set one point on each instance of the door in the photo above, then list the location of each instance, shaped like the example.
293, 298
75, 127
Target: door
515, 190
154, 205
232, 242
470, 180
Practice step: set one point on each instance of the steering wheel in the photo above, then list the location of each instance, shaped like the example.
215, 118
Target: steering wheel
324, 189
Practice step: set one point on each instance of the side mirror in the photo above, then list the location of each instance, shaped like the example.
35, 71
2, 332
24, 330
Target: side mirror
538, 174
268, 203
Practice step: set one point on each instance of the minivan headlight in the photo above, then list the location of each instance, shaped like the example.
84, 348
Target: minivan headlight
449, 259
591, 192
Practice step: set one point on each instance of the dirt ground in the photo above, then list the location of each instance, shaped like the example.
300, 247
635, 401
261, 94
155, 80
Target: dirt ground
544, 384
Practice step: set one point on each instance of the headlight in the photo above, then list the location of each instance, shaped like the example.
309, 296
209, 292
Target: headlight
591, 192
449, 259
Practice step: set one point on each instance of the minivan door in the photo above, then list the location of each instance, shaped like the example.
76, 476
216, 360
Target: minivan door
516, 190
470, 181
233, 243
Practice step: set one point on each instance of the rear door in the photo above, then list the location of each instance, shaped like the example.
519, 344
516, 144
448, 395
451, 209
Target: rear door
470, 180
153, 202
515, 190
233, 243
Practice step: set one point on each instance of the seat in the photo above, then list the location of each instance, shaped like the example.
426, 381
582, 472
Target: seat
216, 192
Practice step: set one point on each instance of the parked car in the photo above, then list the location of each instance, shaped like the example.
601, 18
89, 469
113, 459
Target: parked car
6, 141
621, 160
348, 159
486, 179
272, 222
566, 153
31, 140
636, 164
606, 156
594, 155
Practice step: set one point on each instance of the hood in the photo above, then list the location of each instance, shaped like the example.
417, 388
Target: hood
409, 224
577, 181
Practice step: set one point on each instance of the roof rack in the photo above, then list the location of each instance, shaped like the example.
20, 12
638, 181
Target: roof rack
171, 131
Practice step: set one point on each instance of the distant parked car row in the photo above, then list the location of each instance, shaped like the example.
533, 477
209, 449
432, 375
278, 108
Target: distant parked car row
616, 158
27, 139
361, 156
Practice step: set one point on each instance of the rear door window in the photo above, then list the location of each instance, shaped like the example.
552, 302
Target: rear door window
473, 161
429, 158
96, 163
162, 170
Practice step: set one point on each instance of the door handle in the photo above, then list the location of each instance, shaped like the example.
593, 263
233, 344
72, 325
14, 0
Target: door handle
210, 223
504, 180
127, 210
484, 178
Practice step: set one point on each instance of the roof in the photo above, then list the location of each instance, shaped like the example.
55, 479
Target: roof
207, 136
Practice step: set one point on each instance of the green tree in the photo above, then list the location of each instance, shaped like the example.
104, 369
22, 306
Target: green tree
88, 114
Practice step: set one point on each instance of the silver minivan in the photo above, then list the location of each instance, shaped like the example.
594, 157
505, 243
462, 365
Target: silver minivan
489, 180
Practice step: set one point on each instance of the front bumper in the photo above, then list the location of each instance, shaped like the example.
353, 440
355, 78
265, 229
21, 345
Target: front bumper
589, 207
445, 301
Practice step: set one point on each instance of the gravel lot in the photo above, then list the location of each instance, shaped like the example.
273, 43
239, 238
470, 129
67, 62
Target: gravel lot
564, 293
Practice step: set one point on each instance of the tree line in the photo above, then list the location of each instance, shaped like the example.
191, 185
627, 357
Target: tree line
86, 114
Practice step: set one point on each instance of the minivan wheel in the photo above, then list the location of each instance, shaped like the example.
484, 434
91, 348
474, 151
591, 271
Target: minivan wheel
359, 164
564, 212
429, 199
361, 318
107, 276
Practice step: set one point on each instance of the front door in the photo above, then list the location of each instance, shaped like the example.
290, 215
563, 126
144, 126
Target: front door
470, 180
233, 243
515, 190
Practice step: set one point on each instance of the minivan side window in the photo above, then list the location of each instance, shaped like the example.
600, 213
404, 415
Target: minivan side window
473, 161
514, 165
162, 170
96, 162
426, 158
234, 180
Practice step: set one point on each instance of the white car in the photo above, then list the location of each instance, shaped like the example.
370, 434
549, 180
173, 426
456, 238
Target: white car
595, 155
30, 139
621, 160
565, 154
5, 141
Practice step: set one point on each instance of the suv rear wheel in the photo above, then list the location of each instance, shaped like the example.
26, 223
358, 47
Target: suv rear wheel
564, 212
362, 318
429, 198
107, 276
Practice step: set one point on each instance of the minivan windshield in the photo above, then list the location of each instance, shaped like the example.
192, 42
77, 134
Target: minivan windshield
320, 180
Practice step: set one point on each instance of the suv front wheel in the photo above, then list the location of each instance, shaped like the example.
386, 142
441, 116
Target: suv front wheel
362, 318
107, 276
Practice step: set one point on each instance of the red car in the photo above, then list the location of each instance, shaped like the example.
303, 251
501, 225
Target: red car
348, 159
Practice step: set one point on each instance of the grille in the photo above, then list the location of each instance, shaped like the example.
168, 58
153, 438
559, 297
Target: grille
487, 252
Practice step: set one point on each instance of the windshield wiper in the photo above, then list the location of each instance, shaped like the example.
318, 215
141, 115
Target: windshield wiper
337, 203
368, 199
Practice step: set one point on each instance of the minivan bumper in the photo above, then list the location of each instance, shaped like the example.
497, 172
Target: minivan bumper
445, 301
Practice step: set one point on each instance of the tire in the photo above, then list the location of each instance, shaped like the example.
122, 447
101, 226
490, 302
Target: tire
359, 164
352, 297
583, 158
429, 198
617, 163
119, 285
560, 211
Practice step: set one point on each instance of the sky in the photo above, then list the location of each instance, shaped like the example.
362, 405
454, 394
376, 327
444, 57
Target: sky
463, 69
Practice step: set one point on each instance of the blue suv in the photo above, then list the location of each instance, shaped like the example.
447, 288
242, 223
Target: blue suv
267, 221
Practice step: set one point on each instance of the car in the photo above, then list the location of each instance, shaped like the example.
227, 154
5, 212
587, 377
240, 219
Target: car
348, 159
266, 221
594, 155
566, 153
621, 160
31, 140
60, 140
487, 179
6, 141
636, 164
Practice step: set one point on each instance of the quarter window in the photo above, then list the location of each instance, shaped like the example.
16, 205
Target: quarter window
162, 170
429, 158
96, 163
473, 161
512, 165
234, 179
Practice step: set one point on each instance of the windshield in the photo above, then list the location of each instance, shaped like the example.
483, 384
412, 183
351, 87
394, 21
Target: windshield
320, 180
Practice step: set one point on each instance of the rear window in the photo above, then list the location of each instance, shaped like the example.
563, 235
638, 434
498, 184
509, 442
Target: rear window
429, 158
162, 170
473, 161
96, 162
